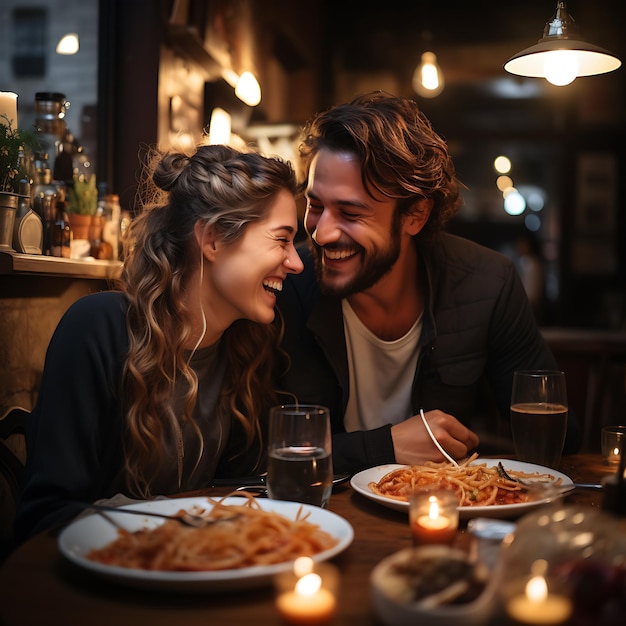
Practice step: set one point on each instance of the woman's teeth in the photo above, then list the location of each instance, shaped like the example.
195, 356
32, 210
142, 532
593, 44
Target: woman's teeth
273, 285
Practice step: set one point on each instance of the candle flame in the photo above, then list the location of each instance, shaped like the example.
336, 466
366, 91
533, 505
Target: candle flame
616, 451
308, 585
537, 589
302, 565
433, 511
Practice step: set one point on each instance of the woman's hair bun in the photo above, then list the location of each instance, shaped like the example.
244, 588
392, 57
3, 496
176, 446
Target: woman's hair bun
168, 169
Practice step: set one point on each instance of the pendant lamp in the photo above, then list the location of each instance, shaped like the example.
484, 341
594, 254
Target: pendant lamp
428, 79
561, 56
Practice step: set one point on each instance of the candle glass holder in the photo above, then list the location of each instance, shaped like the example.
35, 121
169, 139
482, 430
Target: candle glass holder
536, 599
307, 594
560, 560
487, 536
433, 516
612, 441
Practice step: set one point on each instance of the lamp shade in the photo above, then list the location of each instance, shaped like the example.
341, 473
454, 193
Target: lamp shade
561, 55
591, 59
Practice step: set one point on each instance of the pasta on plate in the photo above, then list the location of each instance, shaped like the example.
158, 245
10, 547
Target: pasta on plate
247, 536
475, 484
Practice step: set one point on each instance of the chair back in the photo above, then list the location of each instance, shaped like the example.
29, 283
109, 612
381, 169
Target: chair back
12, 462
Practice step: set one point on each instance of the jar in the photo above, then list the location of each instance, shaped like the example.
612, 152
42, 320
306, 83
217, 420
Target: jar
50, 108
577, 554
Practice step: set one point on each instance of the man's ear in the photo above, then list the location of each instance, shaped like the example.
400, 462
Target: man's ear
206, 239
415, 220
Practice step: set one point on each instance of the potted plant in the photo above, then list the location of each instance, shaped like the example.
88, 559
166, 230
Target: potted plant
14, 169
82, 206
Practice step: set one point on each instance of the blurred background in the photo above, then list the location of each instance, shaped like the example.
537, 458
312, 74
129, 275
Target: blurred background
153, 72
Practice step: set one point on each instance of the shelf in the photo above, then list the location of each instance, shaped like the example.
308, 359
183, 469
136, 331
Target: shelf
12, 262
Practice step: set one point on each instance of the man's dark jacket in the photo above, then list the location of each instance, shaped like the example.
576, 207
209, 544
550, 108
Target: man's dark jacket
478, 328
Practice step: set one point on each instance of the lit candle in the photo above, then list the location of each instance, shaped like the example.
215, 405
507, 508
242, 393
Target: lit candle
614, 456
537, 606
304, 597
433, 518
612, 442
309, 604
8, 108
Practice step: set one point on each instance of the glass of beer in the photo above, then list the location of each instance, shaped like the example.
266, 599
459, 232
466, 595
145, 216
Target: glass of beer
299, 463
539, 416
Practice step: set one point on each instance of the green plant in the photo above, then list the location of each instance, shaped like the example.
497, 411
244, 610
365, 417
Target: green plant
83, 197
11, 140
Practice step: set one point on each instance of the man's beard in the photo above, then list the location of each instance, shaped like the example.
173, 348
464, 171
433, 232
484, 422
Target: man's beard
375, 266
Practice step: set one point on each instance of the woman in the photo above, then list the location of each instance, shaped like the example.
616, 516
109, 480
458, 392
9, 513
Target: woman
164, 385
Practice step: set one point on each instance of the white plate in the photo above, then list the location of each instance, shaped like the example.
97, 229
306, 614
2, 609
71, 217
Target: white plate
94, 531
360, 483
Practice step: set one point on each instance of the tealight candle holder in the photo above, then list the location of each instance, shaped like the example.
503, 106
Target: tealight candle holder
307, 595
433, 516
536, 600
613, 439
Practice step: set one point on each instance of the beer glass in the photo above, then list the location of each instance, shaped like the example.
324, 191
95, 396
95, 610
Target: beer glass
539, 416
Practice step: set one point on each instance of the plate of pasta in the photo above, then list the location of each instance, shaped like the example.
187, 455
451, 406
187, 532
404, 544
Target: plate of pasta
481, 488
253, 540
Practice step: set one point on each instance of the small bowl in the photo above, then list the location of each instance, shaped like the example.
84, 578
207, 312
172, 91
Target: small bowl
393, 595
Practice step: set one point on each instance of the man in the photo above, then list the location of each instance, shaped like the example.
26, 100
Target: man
392, 315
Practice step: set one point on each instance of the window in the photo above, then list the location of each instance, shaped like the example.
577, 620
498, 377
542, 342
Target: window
29, 43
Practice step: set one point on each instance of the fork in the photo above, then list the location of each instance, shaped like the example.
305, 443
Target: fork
191, 520
503, 473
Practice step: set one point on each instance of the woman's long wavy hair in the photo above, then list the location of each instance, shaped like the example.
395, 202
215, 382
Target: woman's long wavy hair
219, 187
402, 156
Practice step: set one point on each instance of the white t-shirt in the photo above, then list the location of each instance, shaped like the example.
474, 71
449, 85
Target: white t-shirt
381, 374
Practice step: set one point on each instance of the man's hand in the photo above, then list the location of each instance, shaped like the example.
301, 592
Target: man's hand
413, 446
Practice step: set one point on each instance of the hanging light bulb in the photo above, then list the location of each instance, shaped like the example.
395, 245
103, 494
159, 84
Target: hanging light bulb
561, 67
428, 79
560, 56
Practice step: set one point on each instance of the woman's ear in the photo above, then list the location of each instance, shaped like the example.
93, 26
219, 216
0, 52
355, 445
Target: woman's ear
206, 239
416, 219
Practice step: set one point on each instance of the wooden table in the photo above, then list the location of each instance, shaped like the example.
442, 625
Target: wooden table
38, 586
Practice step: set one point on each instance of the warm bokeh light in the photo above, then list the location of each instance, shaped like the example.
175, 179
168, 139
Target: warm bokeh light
504, 182
248, 89
502, 164
303, 565
219, 127
68, 44
428, 79
309, 584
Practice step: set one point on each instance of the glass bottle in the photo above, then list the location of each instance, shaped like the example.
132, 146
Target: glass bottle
50, 127
60, 231
112, 216
44, 198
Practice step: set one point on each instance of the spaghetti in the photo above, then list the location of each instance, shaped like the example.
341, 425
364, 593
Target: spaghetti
247, 536
474, 484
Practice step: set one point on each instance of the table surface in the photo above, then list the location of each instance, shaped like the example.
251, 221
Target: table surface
38, 586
